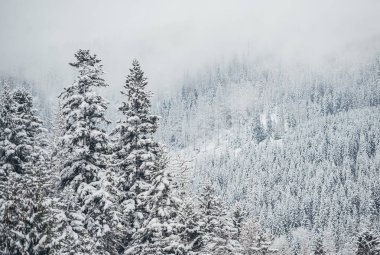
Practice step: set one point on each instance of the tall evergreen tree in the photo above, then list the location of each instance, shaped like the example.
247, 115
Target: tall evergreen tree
146, 184
24, 225
87, 213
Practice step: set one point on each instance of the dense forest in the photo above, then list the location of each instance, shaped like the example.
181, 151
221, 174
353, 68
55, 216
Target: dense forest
297, 148
243, 158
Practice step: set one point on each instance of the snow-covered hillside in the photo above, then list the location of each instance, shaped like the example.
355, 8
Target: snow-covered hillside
299, 149
294, 153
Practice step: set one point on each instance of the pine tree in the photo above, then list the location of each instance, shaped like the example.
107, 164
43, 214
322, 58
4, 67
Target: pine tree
24, 222
10, 152
319, 248
87, 215
368, 243
255, 240
147, 200
7, 148
220, 233
238, 219
258, 132
192, 232
262, 244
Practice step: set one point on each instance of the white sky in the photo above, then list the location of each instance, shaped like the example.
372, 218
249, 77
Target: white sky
38, 38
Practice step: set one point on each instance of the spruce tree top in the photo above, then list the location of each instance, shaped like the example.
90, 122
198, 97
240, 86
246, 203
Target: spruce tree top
135, 131
85, 58
90, 72
80, 94
138, 98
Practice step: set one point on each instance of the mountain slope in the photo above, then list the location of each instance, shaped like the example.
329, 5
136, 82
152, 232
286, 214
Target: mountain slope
298, 148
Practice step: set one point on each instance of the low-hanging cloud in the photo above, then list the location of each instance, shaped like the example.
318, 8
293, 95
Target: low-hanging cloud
38, 38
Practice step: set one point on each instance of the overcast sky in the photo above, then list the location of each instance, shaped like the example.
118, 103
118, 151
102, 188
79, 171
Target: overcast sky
38, 38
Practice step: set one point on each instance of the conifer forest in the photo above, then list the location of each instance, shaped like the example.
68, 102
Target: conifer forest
190, 127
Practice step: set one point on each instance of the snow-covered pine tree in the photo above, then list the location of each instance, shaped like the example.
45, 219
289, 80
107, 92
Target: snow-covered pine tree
220, 233
192, 232
147, 201
7, 148
254, 239
10, 158
262, 245
238, 218
87, 215
368, 243
159, 232
319, 248
258, 132
24, 222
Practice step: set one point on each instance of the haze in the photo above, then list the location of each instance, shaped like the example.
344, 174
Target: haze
38, 38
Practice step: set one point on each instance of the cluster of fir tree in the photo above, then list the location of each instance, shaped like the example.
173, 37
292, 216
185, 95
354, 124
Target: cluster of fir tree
367, 243
88, 193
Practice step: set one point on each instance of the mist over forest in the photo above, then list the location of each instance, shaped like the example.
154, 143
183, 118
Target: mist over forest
190, 127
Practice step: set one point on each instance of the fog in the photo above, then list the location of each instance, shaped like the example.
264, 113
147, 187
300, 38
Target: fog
38, 38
